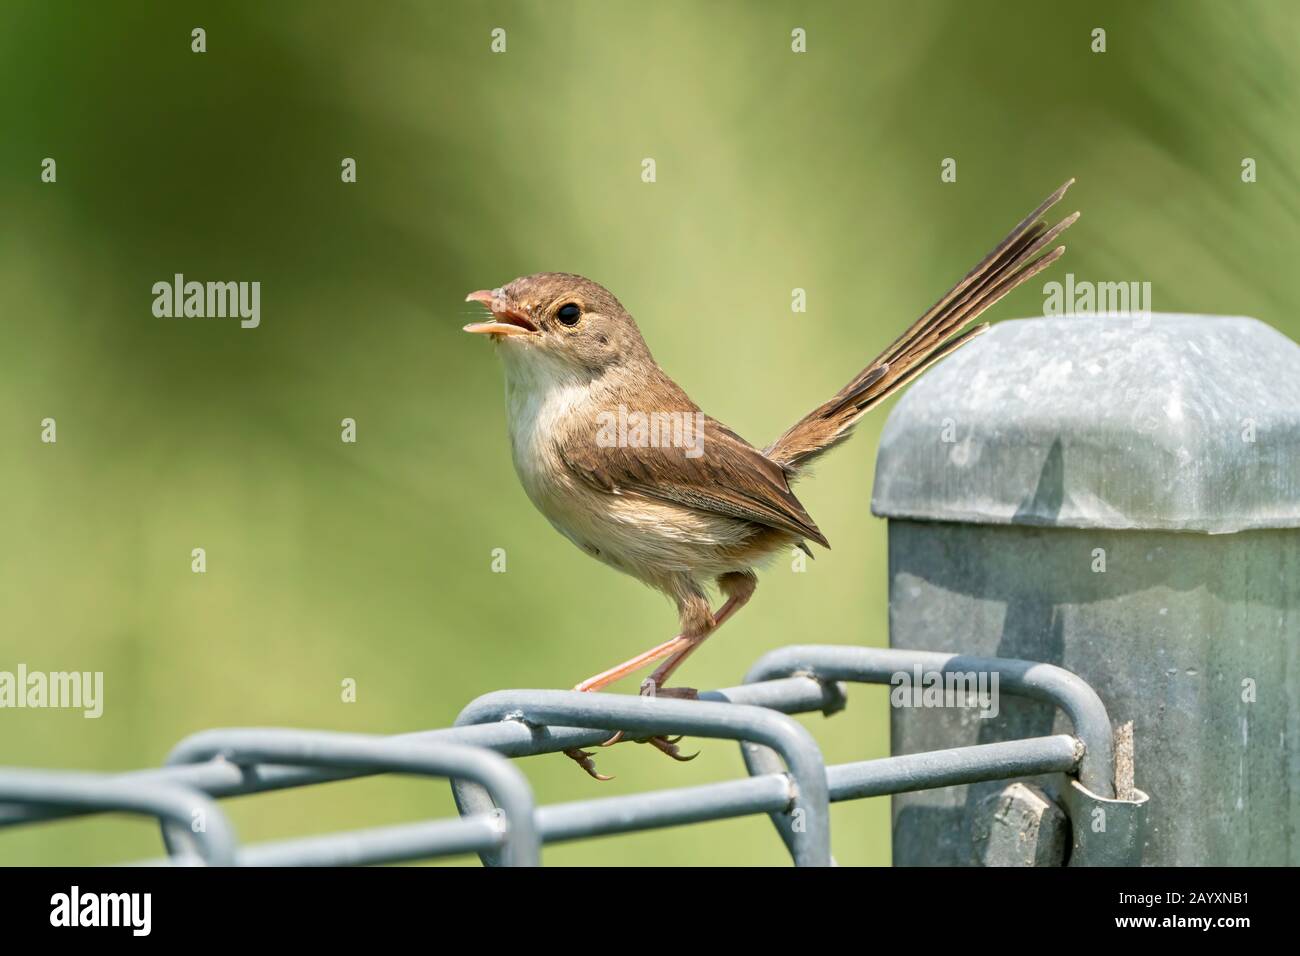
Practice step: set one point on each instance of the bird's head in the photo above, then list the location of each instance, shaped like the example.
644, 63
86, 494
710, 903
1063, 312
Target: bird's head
558, 324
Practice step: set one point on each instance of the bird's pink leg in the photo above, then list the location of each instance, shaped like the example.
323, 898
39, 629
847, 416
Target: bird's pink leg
616, 673
739, 588
619, 671
653, 685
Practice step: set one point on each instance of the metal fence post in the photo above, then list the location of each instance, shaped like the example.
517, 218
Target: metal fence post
1119, 496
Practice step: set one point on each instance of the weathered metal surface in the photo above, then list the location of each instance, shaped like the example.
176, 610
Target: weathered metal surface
1021, 826
1193, 638
1106, 832
1062, 526
1179, 422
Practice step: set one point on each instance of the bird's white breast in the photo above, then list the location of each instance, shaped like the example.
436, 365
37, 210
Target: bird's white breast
542, 403
649, 539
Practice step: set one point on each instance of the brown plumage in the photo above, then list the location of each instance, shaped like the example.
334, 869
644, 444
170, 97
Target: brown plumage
677, 516
1015, 260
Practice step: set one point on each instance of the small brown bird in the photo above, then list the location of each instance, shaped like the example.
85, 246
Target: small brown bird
621, 461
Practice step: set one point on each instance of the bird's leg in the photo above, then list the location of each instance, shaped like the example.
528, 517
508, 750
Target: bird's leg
698, 623
619, 671
615, 673
739, 588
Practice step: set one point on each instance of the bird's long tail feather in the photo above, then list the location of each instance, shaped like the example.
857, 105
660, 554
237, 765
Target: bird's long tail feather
937, 333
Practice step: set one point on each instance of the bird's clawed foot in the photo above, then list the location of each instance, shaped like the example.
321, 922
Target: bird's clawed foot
583, 759
668, 745
649, 688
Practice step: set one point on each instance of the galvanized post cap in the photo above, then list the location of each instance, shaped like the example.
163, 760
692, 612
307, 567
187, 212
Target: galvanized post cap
1176, 422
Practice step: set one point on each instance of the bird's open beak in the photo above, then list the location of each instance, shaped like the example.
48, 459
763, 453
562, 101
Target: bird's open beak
506, 320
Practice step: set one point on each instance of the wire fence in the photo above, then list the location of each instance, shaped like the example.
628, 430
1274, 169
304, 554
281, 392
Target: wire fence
499, 819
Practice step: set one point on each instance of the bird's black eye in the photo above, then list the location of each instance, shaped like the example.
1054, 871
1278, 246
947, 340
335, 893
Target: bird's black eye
569, 313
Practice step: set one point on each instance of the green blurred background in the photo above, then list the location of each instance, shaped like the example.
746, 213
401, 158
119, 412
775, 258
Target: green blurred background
373, 561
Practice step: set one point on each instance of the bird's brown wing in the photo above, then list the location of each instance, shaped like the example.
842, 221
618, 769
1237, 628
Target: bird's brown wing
730, 477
